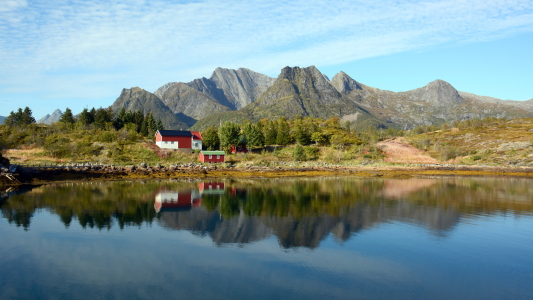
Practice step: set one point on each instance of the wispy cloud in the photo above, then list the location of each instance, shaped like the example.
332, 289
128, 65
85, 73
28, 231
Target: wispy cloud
149, 43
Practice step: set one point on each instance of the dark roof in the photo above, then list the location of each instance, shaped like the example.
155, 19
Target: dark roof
174, 133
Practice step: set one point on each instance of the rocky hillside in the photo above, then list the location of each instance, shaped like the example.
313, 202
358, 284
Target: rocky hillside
436, 103
49, 119
297, 92
139, 99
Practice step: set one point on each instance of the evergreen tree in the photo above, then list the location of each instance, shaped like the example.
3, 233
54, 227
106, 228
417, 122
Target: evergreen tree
270, 132
85, 117
12, 119
138, 119
92, 115
210, 138
151, 124
159, 125
102, 117
282, 134
67, 117
27, 117
119, 120
144, 127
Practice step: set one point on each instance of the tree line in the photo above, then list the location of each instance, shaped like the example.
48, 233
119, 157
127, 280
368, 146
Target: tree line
301, 131
101, 118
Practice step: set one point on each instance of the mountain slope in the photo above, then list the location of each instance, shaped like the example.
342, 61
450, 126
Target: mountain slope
139, 99
49, 119
241, 87
297, 92
185, 100
436, 103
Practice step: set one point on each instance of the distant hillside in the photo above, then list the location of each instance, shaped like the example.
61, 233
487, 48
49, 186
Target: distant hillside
2, 119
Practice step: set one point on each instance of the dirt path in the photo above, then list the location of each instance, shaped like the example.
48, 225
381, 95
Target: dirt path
397, 150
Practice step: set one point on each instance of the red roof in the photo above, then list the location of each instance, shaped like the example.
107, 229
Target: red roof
196, 135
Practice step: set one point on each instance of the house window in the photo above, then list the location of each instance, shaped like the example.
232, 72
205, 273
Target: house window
218, 156
210, 156
172, 142
195, 144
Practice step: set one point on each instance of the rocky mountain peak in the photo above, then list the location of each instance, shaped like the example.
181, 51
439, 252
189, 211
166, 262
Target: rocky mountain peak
160, 91
242, 86
437, 93
344, 83
49, 119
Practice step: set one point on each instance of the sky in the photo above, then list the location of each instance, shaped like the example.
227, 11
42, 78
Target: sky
80, 54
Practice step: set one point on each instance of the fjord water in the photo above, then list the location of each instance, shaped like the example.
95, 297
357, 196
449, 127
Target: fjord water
327, 238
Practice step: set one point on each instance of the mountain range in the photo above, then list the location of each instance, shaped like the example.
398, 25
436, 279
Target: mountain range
242, 94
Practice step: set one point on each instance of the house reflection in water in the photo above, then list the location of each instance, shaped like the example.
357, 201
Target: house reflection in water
186, 198
176, 200
211, 188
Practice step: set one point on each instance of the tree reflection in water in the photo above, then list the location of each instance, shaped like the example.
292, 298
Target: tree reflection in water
299, 212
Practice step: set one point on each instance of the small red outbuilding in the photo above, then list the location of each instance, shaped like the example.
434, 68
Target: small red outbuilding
212, 156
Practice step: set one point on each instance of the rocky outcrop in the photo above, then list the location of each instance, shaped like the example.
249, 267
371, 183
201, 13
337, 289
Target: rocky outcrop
181, 98
304, 92
49, 119
437, 93
241, 87
344, 83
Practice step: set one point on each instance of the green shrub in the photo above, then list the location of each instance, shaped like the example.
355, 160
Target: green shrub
311, 152
448, 153
476, 157
299, 153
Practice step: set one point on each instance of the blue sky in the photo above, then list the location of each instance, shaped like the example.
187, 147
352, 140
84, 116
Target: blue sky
76, 54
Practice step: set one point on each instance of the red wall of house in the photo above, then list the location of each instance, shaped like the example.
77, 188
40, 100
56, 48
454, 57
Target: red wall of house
183, 141
205, 158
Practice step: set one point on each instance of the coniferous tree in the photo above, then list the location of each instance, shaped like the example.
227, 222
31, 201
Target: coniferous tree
27, 117
270, 132
67, 117
159, 125
12, 119
144, 127
102, 117
282, 135
85, 117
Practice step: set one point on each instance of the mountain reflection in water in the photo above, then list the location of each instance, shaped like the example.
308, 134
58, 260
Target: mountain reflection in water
299, 212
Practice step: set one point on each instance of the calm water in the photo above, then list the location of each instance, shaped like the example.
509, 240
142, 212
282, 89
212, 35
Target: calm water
341, 238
